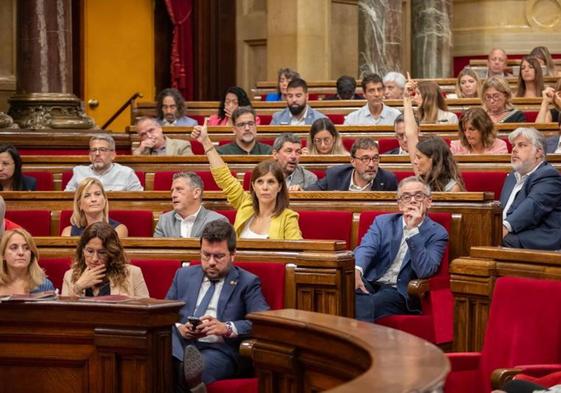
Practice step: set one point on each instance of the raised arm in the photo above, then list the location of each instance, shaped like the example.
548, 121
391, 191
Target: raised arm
544, 115
411, 129
200, 134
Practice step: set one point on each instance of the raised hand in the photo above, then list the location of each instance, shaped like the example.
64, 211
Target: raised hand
414, 215
200, 133
548, 94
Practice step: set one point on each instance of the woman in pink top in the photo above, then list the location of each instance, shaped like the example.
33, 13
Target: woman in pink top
233, 98
478, 135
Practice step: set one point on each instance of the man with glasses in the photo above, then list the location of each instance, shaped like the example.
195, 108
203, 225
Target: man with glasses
362, 174
115, 177
245, 131
399, 128
154, 142
397, 248
212, 323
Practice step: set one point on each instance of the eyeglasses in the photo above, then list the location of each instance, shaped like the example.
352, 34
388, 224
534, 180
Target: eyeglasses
418, 196
400, 136
493, 97
245, 124
366, 159
205, 256
323, 141
6, 163
90, 252
95, 150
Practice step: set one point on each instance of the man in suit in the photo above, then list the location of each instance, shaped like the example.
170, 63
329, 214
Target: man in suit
287, 150
399, 128
188, 217
170, 109
220, 295
154, 142
531, 195
396, 249
362, 174
297, 111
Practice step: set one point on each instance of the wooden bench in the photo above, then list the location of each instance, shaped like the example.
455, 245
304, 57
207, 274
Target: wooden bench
473, 279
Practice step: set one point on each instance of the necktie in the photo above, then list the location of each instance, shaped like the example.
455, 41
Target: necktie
201, 309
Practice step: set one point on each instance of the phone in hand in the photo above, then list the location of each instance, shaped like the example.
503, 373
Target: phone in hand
194, 321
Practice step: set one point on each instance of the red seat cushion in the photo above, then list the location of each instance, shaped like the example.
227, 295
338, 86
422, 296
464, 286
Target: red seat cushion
158, 274
348, 143
164, 179
138, 222
229, 214
387, 144
326, 225
491, 181
245, 385
336, 118
272, 276
265, 119
36, 222
45, 181
403, 174
55, 269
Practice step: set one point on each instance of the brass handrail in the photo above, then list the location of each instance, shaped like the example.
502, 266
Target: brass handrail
121, 109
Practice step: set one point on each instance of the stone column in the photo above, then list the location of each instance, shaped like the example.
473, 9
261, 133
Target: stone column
431, 38
44, 96
380, 36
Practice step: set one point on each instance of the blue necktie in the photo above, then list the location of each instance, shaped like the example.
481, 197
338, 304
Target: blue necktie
201, 309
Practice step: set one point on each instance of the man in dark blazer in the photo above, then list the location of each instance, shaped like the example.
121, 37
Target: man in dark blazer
363, 174
531, 195
220, 295
396, 249
188, 217
399, 128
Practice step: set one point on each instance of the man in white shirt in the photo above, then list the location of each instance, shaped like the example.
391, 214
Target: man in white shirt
497, 63
188, 217
374, 112
115, 177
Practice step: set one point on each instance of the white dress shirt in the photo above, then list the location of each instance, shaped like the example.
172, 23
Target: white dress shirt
186, 224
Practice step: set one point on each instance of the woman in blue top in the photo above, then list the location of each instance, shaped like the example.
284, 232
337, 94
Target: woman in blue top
285, 76
20, 273
90, 206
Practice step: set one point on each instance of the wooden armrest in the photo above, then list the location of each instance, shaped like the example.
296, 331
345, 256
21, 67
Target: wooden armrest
246, 348
501, 376
418, 287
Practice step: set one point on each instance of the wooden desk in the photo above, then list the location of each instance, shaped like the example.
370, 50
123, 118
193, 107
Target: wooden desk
473, 280
298, 351
76, 346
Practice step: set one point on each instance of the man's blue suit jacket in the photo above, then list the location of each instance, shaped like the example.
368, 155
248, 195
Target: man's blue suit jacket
284, 116
380, 245
241, 294
338, 178
535, 213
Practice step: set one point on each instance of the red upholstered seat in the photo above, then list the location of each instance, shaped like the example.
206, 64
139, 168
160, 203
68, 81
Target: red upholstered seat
242, 385
336, 118
138, 222
36, 222
518, 332
402, 175
55, 269
197, 148
326, 225
163, 180
67, 175
508, 144
435, 323
479, 181
320, 173
387, 144
531, 116
45, 181
158, 274
229, 214
547, 375
266, 119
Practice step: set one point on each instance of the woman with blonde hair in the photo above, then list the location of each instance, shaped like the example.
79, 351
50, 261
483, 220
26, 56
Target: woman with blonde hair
91, 205
20, 273
324, 139
477, 135
431, 104
544, 57
497, 101
101, 266
468, 84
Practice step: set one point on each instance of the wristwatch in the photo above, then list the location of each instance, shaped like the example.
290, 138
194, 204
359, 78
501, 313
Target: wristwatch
229, 329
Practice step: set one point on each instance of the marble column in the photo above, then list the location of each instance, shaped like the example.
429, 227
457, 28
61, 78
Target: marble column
431, 39
44, 96
380, 36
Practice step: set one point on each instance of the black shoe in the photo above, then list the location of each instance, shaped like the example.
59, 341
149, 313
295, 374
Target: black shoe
193, 369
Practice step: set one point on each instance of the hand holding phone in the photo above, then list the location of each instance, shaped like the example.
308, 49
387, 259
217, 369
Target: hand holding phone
194, 321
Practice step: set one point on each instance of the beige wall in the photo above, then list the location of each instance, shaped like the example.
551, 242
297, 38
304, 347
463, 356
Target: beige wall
515, 25
7, 52
344, 38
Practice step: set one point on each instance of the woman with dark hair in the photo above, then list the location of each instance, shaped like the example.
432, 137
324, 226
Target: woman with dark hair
101, 266
262, 213
285, 75
324, 139
233, 98
544, 57
20, 273
432, 159
477, 135
432, 105
530, 78
11, 178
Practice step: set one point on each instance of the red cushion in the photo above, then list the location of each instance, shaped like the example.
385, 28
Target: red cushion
531, 116
36, 222
547, 380
479, 181
229, 214
67, 175
138, 222
326, 225
265, 119
336, 118
272, 276
197, 148
402, 175
387, 144
164, 179
158, 274
348, 143
45, 181
55, 269
245, 385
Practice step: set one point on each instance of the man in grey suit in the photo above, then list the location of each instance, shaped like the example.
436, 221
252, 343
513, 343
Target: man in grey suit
154, 142
287, 150
188, 217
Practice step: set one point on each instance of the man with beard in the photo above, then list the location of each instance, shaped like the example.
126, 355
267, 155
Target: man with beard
212, 323
154, 142
287, 150
362, 174
374, 112
245, 131
297, 112
531, 195
171, 107
115, 177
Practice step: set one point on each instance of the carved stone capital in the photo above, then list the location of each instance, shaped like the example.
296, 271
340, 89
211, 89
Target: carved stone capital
6, 121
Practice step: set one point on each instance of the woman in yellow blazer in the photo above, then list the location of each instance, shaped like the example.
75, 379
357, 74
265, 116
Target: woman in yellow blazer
101, 267
263, 212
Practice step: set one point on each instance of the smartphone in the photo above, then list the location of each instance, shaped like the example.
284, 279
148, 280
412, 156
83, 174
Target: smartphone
194, 321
